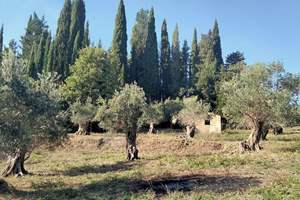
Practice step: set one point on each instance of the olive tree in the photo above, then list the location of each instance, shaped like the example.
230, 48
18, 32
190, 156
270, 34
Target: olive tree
30, 114
251, 96
192, 111
152, 115
82, 114
123, 111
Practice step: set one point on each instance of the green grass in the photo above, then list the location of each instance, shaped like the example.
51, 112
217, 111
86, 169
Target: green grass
210, 167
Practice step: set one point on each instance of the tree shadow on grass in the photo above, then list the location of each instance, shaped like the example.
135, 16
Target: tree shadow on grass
88, 169
121, 187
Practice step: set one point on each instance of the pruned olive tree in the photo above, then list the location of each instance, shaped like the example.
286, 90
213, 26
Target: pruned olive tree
30, 114
152, 115
252, 96
123, 111
82, 114
192, 111
170, 108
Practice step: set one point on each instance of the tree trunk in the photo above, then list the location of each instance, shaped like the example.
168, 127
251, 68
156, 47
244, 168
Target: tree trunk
83, 129
265, 131
151, 129
131, 149
190, 131
15, 165
254, 138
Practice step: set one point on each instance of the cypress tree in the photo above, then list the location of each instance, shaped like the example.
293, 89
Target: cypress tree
31, 66
1, 43
40, 53
176, 70
61, 49
165, 61
47, 49
210, 66
76, 46
195, 60
86, 37
217, 49
119, 45
34, 30
138, 44
50, 58
150, 79
185, 56
76, 29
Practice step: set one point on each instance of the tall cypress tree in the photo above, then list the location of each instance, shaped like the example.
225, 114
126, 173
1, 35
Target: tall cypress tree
217, 49
50, 58
195, 60
47, 49
150, 79
176, 69
61, 49
31, 65
86, 37
34, 31
119, 45
1, 43
185, 65
40, 53
76, 29
165, 61
138, 44
210, 66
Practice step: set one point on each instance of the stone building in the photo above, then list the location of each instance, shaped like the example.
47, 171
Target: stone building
212, 124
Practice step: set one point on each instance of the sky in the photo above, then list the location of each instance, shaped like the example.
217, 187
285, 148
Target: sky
264, 30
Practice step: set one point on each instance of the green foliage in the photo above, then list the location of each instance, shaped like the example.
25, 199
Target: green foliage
30, 112
194, 59
34, 31
185, 78
1, 43
90, 77
82, 113
152, 113
234, 58
124, 109
191, 111
176, 70
76, 29
48, 44
165, 61
61, 46
119, 45
86, 37
171, 108
138, 43
209, 69
149, 75
40, 53
252, 96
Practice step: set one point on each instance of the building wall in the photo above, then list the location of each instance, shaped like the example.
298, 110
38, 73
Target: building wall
214, 127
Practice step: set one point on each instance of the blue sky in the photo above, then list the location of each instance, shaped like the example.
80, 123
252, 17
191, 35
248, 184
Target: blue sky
265, 30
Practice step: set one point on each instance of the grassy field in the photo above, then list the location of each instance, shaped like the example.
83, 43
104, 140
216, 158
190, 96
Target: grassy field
210, 167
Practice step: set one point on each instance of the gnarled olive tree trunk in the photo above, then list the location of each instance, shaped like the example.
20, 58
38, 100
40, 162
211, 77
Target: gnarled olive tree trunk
15, 164
131, 149
190, 131
254, 138
151, 129
83, 129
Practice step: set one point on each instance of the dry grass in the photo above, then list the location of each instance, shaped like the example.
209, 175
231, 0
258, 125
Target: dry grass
210, 167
